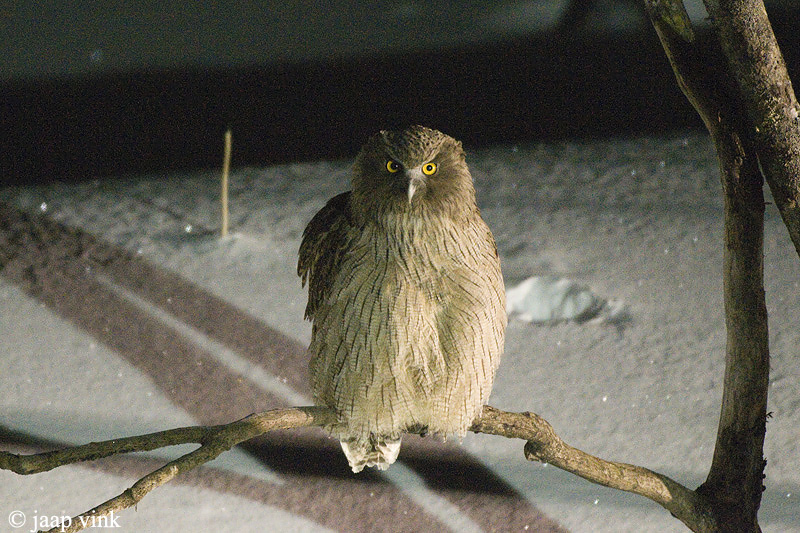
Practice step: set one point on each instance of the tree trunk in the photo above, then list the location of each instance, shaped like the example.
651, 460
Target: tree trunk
718, 89
734, 483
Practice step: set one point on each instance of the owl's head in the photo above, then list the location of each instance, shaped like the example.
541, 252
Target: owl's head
414, 170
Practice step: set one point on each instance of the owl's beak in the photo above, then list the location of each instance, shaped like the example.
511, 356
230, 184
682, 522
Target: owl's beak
416, 180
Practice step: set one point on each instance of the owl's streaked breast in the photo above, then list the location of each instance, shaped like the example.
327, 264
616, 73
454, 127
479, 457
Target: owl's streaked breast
395, 299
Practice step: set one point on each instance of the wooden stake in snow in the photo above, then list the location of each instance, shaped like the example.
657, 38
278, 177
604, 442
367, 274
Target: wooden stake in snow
226, 165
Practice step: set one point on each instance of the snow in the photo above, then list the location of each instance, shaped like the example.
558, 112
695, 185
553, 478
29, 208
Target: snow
544, 299
637, 221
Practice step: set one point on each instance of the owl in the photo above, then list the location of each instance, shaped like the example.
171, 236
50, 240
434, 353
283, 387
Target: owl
405, 295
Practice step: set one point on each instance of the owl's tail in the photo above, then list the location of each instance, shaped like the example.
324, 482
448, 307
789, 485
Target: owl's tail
378, 451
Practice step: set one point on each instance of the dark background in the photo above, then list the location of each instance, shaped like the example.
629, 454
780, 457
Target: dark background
93, 91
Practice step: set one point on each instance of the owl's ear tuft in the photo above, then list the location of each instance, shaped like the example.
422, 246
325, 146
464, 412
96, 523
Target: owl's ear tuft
460, 150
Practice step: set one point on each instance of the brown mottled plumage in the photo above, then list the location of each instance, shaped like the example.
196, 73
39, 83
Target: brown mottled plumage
405, 295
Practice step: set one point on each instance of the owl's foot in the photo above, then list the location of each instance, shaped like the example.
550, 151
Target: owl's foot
379, 452
418, 429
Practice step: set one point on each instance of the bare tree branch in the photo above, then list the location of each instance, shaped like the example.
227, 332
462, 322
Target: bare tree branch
546, 446
241, 430
734, 118
543, 445
42, 462
213, 441
735, 479
758, 68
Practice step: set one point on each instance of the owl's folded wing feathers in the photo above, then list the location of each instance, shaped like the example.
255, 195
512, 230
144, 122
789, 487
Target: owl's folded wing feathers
324, 243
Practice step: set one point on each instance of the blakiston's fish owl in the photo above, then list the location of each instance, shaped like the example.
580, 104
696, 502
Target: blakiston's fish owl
405, 295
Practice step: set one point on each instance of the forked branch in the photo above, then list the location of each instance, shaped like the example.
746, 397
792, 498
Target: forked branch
213, 441
737, 82
543, 444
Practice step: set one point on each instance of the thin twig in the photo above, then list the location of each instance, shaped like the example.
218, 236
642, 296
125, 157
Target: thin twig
226, 166
42, 462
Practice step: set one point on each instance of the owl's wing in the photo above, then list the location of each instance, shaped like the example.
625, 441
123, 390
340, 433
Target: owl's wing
324, 243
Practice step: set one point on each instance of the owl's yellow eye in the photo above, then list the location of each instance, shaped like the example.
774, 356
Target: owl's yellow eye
429, 169
392, 166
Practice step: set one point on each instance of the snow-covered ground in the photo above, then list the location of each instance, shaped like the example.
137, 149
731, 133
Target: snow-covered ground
636, 221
